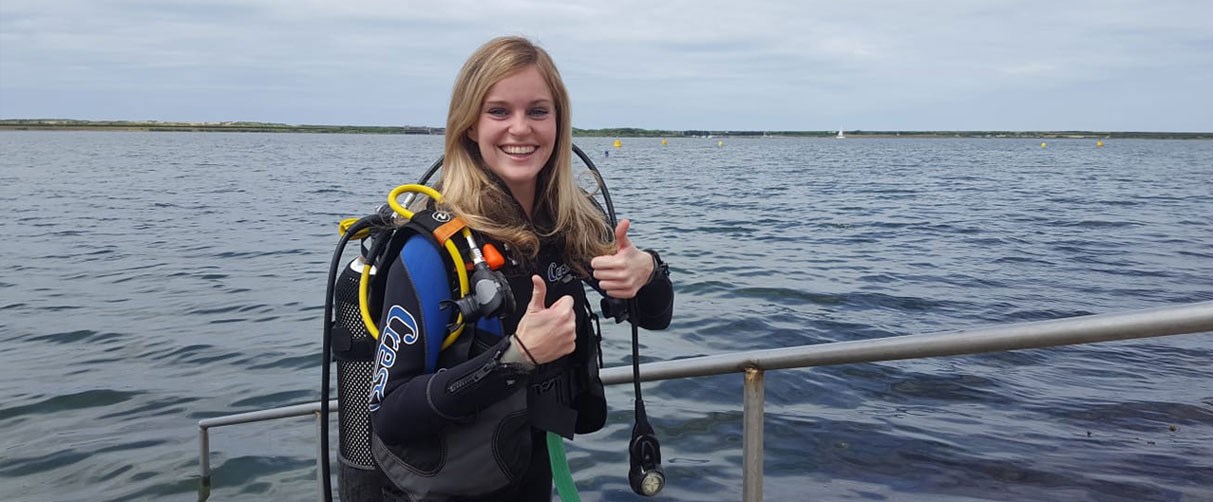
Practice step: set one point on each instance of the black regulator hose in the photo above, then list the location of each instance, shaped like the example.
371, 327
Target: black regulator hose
327, 343
429, 173
645, 474
644, 451
325, 361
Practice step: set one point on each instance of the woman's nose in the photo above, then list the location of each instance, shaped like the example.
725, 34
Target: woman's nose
520, 124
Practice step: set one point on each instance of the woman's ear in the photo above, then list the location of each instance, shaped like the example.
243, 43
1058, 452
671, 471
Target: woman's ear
471, 134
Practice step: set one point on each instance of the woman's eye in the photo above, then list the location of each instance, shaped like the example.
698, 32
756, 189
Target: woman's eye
538, 112
497, 112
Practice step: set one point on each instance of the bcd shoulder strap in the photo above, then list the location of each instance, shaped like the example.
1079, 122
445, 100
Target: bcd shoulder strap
420, 245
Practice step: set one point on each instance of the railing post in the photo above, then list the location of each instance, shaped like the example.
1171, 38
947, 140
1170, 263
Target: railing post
752, 434
204, 444
320, 453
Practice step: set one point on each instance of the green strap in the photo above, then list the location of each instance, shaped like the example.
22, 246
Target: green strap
560, 469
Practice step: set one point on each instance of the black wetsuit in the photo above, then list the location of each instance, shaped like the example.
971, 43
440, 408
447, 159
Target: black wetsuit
564, 396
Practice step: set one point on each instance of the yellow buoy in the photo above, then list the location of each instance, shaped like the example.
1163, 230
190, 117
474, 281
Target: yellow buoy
664, 142
720, 143
1099, 143
1043, 144
618, 143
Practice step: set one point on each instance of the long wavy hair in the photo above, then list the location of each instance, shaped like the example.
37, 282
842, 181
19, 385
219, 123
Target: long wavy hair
473, 192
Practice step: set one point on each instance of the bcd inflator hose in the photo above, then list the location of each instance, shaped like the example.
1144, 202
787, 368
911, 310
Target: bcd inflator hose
560, 469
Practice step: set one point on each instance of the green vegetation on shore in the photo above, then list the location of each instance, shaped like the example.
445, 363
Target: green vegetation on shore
624, 132
156, 125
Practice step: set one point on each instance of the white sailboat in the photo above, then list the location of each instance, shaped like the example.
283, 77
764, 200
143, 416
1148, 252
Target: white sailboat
840, 135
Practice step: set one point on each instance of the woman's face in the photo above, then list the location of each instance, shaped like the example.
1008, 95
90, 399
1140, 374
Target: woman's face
516, 131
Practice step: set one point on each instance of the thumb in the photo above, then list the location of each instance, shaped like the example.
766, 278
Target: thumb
621, 234
538, 294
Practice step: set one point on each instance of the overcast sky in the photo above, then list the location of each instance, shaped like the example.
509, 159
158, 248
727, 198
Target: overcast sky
670, 64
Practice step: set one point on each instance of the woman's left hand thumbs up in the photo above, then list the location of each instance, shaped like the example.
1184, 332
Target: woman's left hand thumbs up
622, 274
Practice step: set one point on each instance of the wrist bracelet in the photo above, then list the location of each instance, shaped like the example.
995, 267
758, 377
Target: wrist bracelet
525, 351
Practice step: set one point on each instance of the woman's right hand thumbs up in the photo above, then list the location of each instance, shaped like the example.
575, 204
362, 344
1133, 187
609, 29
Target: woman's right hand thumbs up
548, 333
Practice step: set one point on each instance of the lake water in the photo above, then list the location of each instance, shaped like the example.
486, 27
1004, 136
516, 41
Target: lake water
151, 280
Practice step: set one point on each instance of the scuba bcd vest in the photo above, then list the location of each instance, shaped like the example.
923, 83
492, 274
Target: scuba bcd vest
352, 308
357, 297
450, 320
469, 458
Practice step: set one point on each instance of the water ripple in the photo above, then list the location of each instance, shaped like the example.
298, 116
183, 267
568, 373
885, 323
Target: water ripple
69, 402
193, 287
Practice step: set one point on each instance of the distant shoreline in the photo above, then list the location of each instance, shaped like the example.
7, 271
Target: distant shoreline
159, 126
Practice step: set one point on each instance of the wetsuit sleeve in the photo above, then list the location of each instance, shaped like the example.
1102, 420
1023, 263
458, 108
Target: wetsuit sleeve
655, 301
406, 402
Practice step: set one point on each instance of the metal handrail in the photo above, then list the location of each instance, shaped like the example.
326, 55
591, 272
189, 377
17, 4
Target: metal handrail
1164, 321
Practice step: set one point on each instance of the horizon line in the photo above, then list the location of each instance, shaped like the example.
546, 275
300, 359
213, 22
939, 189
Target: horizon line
630, 129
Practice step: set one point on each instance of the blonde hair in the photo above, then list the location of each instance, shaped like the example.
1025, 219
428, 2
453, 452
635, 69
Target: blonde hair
468, 185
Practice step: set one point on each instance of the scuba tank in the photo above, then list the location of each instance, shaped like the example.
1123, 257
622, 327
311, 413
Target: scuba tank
358, 478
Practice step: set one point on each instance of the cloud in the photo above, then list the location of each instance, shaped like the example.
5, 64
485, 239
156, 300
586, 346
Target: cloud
673, 64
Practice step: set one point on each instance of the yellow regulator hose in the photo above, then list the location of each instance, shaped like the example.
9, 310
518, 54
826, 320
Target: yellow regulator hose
456, 260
